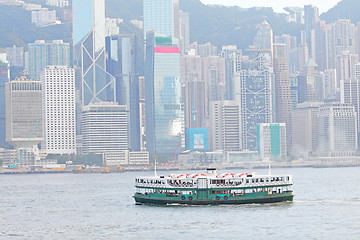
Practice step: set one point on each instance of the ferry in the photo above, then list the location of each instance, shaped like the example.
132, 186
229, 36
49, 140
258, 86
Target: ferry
213, 188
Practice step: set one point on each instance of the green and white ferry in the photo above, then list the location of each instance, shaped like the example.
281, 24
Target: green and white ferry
213, 188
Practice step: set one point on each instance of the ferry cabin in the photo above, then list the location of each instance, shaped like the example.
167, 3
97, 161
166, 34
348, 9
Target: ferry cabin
225, 188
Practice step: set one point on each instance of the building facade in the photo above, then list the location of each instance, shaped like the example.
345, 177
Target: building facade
96, 84
225, 126
59, 123
164, 110
24, 112
337, 130
42, 54
104, 128
271, 141
122, 64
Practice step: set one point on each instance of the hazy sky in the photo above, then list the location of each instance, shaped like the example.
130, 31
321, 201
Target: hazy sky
277, 5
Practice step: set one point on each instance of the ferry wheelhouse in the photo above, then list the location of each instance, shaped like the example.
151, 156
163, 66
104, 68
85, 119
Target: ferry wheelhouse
213, 188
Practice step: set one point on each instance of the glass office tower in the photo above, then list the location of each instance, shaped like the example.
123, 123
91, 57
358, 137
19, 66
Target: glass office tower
4, 78
122, 64
97, 84
162, 16
164, 113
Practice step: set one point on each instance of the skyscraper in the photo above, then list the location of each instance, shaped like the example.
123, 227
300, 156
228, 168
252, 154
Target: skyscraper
4, 78
24, 112
162, 17
225, 126
282, 87
264, 37
311, 83
122, 64
253, 88
96, 84
59, 124
42, 54
164, 111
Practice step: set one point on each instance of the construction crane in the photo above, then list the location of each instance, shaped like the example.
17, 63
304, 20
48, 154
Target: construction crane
22, 153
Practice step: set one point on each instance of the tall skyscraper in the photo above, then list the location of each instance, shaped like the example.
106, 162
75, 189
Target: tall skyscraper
184, 31
59, 124
162, 17
24, 112
311, 17
253, 89
337, 130
225, 126
164, 111
96, 84
42, 54
194, 91
122, 64
4, 78
282, 87
104, 128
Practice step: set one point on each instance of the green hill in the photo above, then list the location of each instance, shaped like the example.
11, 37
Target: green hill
346, 9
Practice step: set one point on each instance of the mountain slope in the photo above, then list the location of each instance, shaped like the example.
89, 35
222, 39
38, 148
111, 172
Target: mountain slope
346, 9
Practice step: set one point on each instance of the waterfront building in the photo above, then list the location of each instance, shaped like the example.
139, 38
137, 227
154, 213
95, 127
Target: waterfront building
7, 156
104, 128
125, 158
42, 54
305, 129
162, 17
96, 84
253, 89
337, 130
164, 110
24, 112
271, 141
59, 124
121, 51
4, 79
225, 126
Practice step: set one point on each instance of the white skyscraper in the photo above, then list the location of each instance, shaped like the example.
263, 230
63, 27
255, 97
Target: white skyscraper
58, 86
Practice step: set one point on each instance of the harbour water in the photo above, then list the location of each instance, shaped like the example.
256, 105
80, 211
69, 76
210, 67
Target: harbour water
100, 206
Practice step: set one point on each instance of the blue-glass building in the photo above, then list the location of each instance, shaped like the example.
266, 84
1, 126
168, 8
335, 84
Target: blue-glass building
121, 51
4, 78
196, 139
96, 84
164, 113
161, 16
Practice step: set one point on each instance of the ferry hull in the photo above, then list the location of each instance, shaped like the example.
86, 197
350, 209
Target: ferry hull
272, 199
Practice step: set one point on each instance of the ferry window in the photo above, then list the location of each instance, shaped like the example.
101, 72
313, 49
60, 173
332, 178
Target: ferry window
288, 178
247, 180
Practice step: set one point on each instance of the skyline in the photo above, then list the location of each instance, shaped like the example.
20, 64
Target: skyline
278, 6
